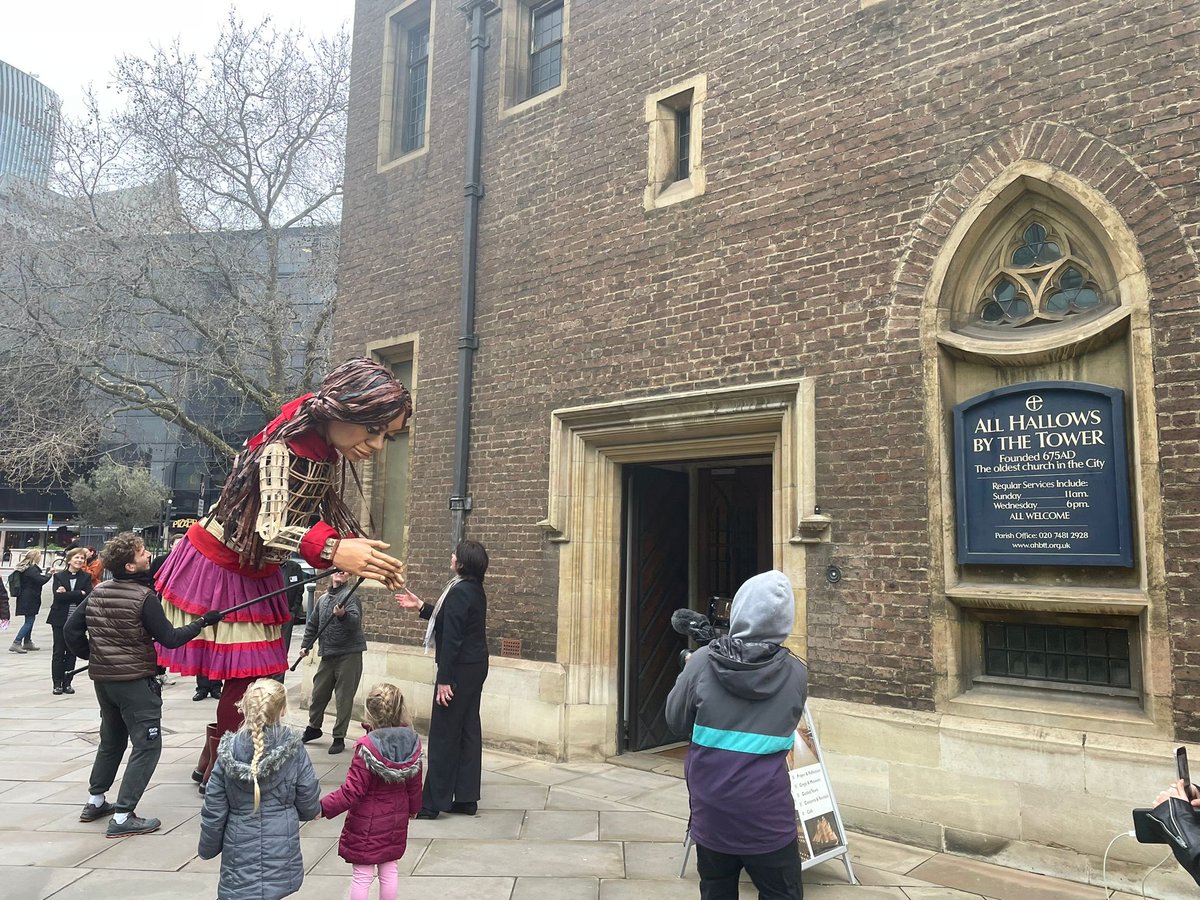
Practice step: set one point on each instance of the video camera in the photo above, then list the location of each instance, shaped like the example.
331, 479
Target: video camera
696, 626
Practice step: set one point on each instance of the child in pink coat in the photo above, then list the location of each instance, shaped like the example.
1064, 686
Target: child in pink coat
381, 793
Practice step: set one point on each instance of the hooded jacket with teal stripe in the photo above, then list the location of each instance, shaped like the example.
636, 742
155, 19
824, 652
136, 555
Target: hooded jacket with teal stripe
739, 700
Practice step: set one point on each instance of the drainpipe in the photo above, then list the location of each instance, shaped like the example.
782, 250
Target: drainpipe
468, 342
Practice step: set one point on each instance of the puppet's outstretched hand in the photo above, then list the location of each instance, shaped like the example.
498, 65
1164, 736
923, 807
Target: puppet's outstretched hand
365, 558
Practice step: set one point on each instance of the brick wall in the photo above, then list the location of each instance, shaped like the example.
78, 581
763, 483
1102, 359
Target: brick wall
830, 132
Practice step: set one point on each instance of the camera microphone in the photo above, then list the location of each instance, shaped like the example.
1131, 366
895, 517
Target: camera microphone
695, 625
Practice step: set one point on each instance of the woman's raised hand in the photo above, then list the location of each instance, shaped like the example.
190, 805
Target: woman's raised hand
409, 600
365, 557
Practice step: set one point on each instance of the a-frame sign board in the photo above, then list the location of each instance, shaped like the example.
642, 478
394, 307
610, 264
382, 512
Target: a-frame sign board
818, 823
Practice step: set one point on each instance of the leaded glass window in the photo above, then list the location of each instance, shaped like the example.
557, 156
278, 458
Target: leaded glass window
545, 48
683, 143
415, 83
1040, 278
1074, 655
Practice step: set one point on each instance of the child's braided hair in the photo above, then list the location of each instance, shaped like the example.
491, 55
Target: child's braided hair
262, 705
360, 391
385, 706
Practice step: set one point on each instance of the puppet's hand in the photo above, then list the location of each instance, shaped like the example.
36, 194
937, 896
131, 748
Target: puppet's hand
365, 558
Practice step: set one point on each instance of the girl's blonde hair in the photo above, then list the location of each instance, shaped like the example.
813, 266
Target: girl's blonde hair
31, 558
385, 706
262, 705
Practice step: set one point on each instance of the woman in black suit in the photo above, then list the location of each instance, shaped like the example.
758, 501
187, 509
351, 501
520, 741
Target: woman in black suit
458, 631
70, 587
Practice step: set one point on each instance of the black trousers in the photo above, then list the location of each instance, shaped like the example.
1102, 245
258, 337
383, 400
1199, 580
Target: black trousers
62, 660
775, 874
456, 743
130, 711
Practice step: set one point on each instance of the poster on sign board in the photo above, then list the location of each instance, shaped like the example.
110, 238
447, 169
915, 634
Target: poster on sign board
819, 824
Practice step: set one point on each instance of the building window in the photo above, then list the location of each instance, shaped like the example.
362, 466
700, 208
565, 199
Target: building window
404, 119
534, 51
683, 137
1039, 280
1071, 655
545, 48
416, 75
391, 497
676, 164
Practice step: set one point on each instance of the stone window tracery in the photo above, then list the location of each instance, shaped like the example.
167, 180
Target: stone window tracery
1040, 278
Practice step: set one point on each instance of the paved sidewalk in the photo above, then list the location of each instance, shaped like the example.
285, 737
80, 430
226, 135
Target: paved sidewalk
544, 831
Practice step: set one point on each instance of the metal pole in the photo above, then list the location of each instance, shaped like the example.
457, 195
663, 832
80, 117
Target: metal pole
468, 342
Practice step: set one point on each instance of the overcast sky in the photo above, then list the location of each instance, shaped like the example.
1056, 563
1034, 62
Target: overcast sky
69, 43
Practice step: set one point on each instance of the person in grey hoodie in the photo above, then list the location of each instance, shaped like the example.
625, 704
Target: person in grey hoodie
739, 700
338, 623
262, 787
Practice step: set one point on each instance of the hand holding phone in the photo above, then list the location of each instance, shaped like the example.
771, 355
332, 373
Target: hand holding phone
1181, 770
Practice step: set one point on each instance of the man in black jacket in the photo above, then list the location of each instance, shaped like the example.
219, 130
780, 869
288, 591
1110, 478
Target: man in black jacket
115, 629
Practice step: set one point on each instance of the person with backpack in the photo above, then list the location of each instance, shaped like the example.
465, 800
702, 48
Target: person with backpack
25, 585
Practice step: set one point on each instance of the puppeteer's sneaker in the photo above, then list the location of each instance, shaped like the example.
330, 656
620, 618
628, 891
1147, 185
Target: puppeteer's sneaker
310, 734
135, 824
337, 746
92, 812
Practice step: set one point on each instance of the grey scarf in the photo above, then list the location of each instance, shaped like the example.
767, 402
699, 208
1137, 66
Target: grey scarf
437, 608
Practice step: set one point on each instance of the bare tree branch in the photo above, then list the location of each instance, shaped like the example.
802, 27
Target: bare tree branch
183, 264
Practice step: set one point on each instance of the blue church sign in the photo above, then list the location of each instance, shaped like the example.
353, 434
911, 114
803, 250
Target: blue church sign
1041, 476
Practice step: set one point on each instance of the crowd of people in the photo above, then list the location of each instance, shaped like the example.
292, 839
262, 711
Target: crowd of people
221, 605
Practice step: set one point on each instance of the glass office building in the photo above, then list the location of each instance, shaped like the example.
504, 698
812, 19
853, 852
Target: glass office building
28, 118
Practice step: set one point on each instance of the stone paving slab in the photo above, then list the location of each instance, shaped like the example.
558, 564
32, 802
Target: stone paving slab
130, 885
561, 859
150, 852
561, 825
1002, 884
36, 882
640, 826
556, 889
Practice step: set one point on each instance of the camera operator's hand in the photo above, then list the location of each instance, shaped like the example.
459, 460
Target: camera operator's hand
212, 617
1178, 789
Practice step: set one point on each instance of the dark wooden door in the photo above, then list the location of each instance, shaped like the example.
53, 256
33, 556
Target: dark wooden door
734, 522
657, 585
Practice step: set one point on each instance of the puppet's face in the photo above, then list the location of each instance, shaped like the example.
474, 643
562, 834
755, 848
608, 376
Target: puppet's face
359, 442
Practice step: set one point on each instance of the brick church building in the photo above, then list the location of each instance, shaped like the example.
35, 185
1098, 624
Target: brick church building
897, 296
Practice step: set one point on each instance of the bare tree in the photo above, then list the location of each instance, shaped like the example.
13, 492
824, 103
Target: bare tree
183, 264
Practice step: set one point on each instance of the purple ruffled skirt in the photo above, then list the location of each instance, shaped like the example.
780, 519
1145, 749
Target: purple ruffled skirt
247, 644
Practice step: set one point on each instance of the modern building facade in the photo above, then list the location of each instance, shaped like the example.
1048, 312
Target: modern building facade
897, 297
28, 120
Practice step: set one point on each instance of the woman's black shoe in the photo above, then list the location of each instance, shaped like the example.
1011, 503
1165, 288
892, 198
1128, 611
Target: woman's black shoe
67, 689
215, 693
464, 809
197, 776
200, 694
427, 813
57, 689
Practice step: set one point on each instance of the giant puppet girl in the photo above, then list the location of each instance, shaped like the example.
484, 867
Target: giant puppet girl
283, 496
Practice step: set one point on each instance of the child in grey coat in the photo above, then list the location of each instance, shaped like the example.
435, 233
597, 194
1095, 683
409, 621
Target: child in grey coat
261, 788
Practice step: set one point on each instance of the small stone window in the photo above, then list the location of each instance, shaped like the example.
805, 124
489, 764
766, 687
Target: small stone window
534, 51
675, 169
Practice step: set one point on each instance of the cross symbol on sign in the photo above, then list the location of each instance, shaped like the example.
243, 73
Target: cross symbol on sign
1033, 403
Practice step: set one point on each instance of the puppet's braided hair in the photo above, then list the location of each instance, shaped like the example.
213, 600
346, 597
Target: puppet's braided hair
262, 706
385, 706
360, 391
